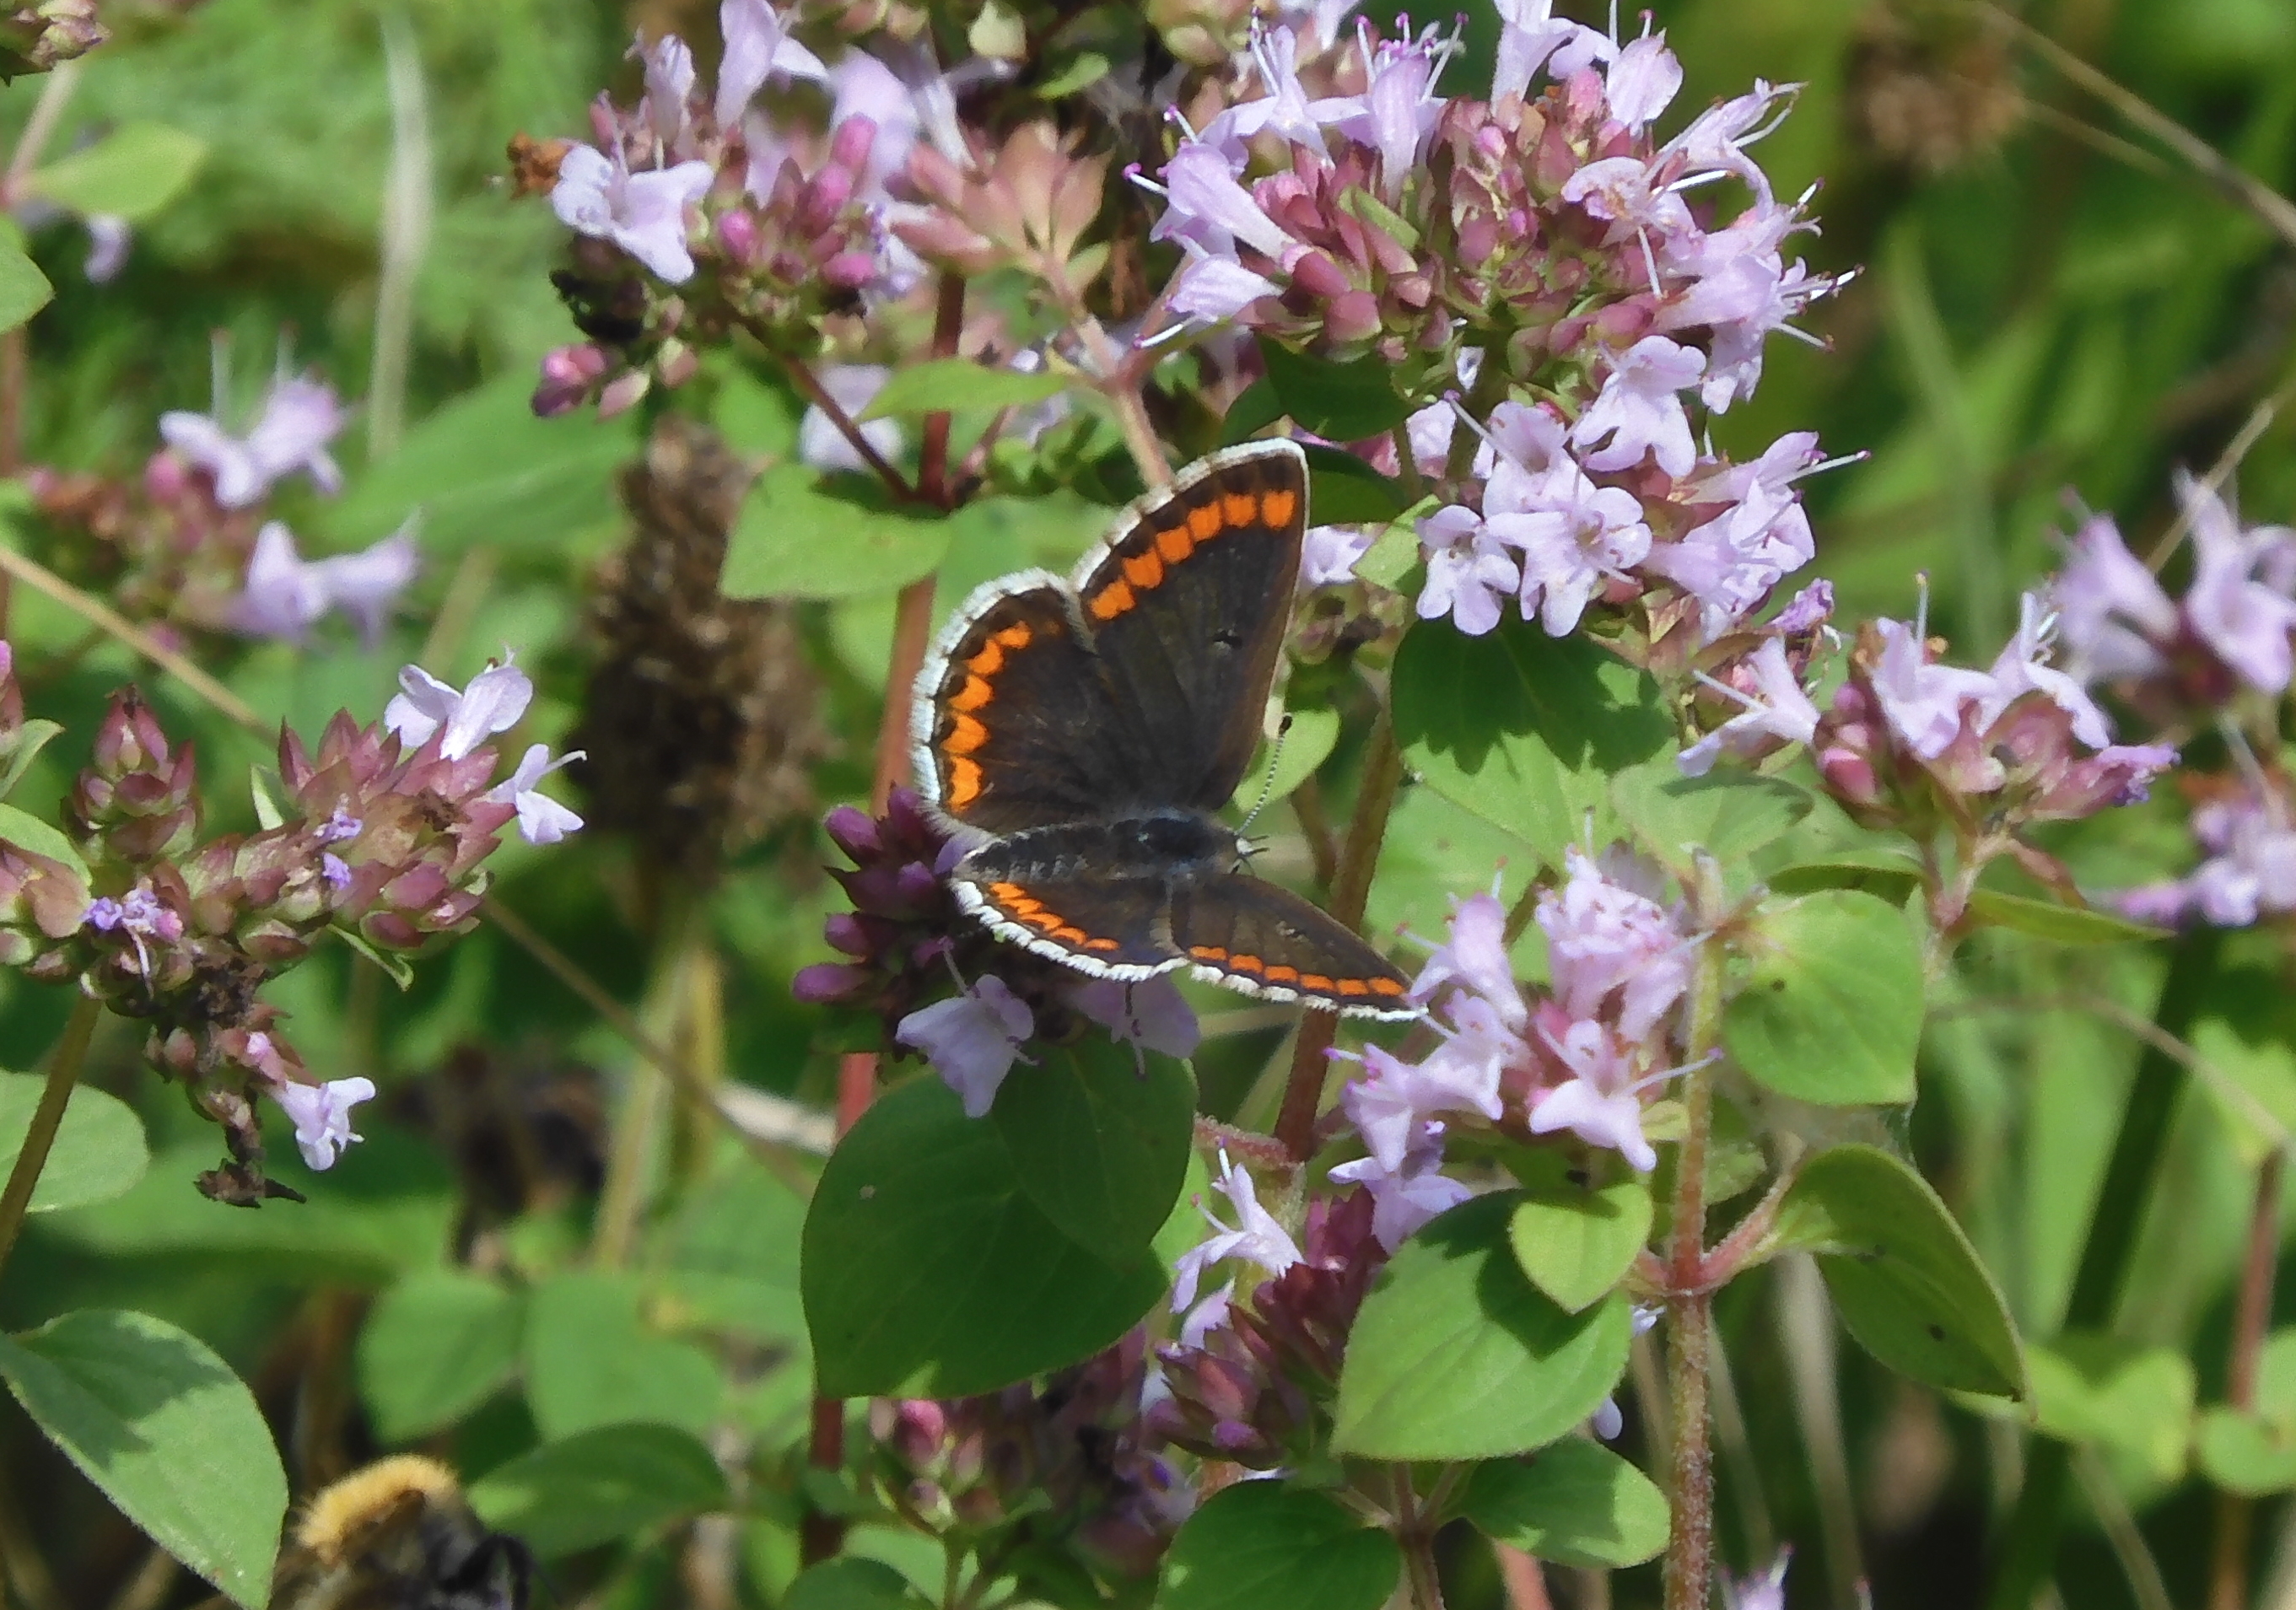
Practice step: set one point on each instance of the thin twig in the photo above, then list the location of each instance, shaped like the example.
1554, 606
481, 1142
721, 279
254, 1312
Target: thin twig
43, 580
2121, 1531
1690, 1306
2252, 431
404, 233
831, 410
2235, 1512
63, 1072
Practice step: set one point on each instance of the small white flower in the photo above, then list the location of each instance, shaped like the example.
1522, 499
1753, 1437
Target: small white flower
323, 1115
1256, 1238
493, 703
541, 820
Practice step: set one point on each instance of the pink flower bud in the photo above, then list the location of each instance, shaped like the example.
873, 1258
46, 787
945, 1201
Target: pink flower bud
737, 237
850, 142
623, 394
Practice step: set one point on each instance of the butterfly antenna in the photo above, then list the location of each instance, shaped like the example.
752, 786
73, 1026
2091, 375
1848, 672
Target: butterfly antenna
1267, 783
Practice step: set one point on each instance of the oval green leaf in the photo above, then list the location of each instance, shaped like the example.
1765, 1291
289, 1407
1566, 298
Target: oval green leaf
853, 1584
1523, 729
600, 1487
2245, 1453
169, 1434
1832, 1013
1273, 775
1099, 1142
98, 1152
945, 385
2055, 922
1343, 490
24, 289
591, 1359
1264, 1546
1576, 1243
131, 173
795, 539
1456, 1355
1339, 402
1904, 1278
1576, 1503
434, 1347
929, 1271
2117, 1393
1728, 815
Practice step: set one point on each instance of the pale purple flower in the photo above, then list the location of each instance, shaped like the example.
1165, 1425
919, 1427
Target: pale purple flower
285, 594
322, 1115
2252, 872
1210, 289
1715, 142
1778, 711
1603, 938
2023, 667
1606, 1422
299, 418
642, 213
1150, 1013
335, 869
1571, 534
1601, 1102
365, 584
139, 912
1328, 554
1761, 1590
541, 820
906, 99
758, 46
972, 1040
2238, 602
1255, 1237
1405, 1197
1205, 203
339, 826
1207, 1316
1644, 81
1805, 611
1639, 409
1475, 957
1923, 702
493, 703
1393, 1098
853, 387
1730, 563
108, 240
2113, 616
1531, 36
1285, 110
669, 104
1400, 105
1468, 572
1620, 190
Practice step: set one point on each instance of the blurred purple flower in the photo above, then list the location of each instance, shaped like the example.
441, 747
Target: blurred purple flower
285, 594
642, 213
1531, 36
853, 387
1407, 1196
757, 45
2114, 618
1644, 81
1604, 937
972, 1040
668, 91
2239, 601
299, 418
108, 241
1151, 1014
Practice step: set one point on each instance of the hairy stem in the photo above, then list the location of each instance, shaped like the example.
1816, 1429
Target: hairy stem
1414, 1524
2030, 1544
63, 1072
1690, 1551
932, 455
2235, 1513
1303, 1093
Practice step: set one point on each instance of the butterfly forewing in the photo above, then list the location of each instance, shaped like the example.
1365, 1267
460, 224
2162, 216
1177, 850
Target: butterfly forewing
1252, 936
1188, 603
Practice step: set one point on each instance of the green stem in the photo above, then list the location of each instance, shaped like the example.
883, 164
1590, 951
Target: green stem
1690, 1550
63, 1072
1416, 1531
633, 1154
2031, 1546
1303, 1092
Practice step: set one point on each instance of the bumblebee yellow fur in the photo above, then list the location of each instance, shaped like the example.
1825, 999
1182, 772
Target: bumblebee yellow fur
399, 1535
341, 1519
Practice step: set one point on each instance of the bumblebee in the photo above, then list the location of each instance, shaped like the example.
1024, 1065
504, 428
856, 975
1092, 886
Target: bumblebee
399, 1535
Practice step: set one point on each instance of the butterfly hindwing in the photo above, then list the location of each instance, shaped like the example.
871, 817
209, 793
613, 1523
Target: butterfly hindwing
1113, 927
1187, 603
1252, 936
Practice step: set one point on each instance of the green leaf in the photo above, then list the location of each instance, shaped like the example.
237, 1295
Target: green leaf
853, 1584
732, 1256
1264, 1546
434, 1347
131, 173
929, 1272
591, 1359
1832, 1010
1394, 554
1523, 729
1082, 71
1904, 1278
1313, 734
1340, 402
1343, 490
24, 289
98, 1152
168, 1433
1456, 1355
1099, 1144
483, 471
2117, 1394
30, 738
795, 539
1884, 874
2056, 923
1254, 410
1576, 1503
945, 385
601, 1486
397, 965
1727, 814
22, 827
2245, 1453
1576, 1242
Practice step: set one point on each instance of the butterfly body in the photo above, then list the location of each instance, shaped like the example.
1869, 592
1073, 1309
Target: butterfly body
1077, 736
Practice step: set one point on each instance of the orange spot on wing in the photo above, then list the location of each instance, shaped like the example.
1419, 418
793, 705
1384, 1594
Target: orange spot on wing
1015, 636
1386, 987
1068, 935
975, 693
1352, 986
1281, 974
1039, 919
1007, 891
1145, 570
1102, 945
963, 783
1023, 904
1276, 508
965, 734
990, 661
1111, 601
1174, 543
1206, 953
1204, 523
1239, 507
1245, 964
1314, 981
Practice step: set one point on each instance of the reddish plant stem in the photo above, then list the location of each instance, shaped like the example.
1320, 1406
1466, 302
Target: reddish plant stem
1303, 1092
2235, 1513
1690, 1303
802, 375
820, 1536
